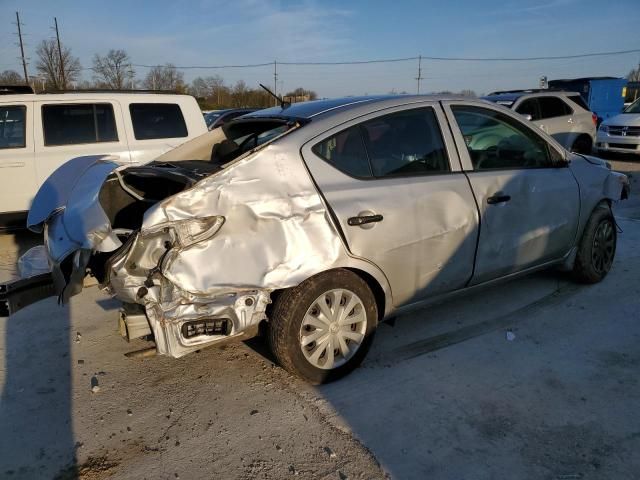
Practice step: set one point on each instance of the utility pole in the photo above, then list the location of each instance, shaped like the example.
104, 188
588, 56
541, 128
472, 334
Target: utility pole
419, 77
64, 82
275, 81
24, 61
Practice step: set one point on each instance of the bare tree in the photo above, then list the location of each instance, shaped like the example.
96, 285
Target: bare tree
11, 77
165, 77
49, 65
634, 75
113, 70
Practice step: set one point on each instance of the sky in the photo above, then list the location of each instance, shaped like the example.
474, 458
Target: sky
212, 32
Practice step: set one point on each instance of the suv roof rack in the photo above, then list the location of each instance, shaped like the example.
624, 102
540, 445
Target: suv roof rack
109, 90
15, 89
528, 90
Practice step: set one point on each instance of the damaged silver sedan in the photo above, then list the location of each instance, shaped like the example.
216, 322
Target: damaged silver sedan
318, 221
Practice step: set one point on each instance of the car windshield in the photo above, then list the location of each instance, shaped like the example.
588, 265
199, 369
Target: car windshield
209, 118
633, 108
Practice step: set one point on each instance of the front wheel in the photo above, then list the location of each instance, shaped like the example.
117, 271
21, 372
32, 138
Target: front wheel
597, 246
323, 328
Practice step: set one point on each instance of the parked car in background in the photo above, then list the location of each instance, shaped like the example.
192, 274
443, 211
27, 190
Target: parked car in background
39, 133
321, 219
603, 95
219, 117
621, 134
563, 115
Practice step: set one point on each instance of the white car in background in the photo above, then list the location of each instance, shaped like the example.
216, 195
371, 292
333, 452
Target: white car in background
563, 115
621, 134
39, 133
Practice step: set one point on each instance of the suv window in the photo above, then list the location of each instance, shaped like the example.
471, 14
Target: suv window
580, 101
157, 120
529, 107
553, 107
496, 141
405, 143
12, 126
346, 152
78, 124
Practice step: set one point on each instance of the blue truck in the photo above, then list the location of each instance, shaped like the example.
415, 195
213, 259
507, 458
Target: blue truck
604, 95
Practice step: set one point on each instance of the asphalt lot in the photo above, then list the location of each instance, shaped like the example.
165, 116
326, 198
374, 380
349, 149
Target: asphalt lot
536, 379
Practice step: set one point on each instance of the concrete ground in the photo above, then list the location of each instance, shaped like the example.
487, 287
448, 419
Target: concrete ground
535, 379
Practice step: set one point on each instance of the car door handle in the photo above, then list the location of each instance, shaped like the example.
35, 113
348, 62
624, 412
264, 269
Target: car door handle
498, 198
364, 219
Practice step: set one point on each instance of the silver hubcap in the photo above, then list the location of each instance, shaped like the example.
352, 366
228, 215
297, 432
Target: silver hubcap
333, 329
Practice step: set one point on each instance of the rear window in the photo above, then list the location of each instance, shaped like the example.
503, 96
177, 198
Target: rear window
551, 107
77, 124
12, 126
346, 152
579, 100
157, 120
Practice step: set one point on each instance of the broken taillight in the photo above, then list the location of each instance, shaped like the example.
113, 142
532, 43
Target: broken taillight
217, 326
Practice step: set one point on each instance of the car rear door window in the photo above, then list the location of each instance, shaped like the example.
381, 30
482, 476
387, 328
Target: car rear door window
496, 141
75, 124
405, 143
12, 126
529, 107
346, 152
579, 100
551, 107
157, 120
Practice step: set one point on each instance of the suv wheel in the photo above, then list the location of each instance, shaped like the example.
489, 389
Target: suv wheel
597, 247
323, 328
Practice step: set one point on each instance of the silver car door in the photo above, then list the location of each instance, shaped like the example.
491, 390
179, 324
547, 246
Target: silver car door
394, 184
528, 199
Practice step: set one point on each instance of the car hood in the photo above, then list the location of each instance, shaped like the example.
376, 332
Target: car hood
624, 120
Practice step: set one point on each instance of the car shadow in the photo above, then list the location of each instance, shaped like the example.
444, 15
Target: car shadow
37, 439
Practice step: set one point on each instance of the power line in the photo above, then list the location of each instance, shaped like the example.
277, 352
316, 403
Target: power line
403, 59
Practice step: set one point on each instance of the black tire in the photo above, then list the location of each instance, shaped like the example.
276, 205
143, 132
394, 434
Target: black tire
583, 145
597, 247
291, 306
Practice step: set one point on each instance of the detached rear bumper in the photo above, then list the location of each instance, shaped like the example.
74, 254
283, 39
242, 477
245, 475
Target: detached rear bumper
18, 294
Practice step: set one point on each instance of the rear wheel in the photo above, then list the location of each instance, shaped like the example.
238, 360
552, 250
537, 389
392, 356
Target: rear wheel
583, 145
597, 247
322, 329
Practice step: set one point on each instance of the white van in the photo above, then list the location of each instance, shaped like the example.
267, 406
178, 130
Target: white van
38, 133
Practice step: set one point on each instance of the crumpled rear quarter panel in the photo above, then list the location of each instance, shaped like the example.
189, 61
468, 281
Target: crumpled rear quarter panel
276, 234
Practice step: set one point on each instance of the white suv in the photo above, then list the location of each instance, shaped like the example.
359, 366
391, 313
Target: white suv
38, 133
563, 115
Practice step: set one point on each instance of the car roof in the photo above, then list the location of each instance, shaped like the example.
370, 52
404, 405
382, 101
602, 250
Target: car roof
314, 108
511, 96
101, 95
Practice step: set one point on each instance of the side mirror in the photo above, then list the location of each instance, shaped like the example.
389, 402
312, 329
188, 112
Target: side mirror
527, 116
